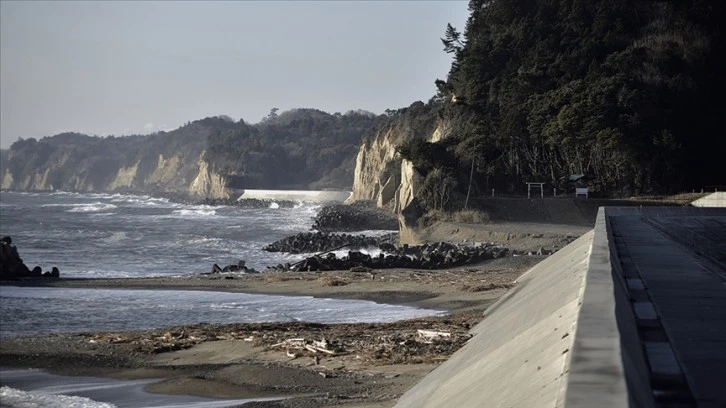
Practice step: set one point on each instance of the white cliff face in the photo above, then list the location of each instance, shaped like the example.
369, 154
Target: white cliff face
411, 182
124, 177
372, 181
7, 180
396, 187
372, 159
209, 184
166, 171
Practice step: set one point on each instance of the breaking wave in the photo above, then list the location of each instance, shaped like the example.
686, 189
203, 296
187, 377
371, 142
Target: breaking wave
195, 213
15, 398
92, 207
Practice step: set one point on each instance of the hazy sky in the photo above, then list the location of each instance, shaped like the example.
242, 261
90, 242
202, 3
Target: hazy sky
138, 67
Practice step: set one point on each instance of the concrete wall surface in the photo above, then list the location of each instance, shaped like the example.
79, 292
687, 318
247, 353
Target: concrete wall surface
630, 314
520, 354
717, 199
320, 196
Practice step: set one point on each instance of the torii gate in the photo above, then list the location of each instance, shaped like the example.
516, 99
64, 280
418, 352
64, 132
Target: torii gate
530, 184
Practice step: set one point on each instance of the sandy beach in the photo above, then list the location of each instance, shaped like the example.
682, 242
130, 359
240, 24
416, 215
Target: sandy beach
373, 364
362, 365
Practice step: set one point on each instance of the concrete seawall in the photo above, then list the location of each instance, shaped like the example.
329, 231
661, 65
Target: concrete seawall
320, 196
631, 314
717, 199
521, 352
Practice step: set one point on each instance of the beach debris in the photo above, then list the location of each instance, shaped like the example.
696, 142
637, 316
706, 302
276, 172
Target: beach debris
428, 336
312, 346
238, 268
424, 340
333, 281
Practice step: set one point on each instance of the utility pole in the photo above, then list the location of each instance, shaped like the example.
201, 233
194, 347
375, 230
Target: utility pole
468, 190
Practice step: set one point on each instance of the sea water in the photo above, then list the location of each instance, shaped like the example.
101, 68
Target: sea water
31, 310
119, 236
110, 236
30, 388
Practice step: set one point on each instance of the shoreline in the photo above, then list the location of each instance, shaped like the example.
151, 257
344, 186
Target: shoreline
376, 363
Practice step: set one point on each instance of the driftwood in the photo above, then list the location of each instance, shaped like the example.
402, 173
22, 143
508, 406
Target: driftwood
428, 336
313, 346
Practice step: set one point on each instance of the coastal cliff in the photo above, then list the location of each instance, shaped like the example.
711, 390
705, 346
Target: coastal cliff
165, 162
381, 175
208, 183
207, 158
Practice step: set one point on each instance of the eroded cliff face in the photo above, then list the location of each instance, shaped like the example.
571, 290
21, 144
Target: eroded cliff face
382, 176
372, 168
7, 179
124, 178
208, 183
170, 174
392, 182
166, 171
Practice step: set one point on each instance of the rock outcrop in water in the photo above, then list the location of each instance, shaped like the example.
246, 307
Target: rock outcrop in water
12, 266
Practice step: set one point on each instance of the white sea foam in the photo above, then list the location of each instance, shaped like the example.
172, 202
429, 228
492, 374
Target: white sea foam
375, 233
15, 398
195, 212
143, 201
274, 205
62, 193
373, 252
103, 214
115, 237
92, 207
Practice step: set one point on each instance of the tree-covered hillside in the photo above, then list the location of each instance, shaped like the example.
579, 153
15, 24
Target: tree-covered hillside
302, 148
630, 93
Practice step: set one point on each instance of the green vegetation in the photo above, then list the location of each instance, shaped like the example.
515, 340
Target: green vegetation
628, 92
302, 148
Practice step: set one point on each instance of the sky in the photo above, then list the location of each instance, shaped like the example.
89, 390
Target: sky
119, 68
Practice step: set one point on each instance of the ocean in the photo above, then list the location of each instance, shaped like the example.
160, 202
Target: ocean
117, 236
125, 236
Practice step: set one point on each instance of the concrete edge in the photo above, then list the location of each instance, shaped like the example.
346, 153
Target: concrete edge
608, 367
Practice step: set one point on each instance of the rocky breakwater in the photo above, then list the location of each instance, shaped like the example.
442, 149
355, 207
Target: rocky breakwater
358, 216
243, 203
312, 242
438, 255
12, 266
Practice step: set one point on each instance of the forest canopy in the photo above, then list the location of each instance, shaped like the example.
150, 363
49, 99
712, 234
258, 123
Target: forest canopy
629, 93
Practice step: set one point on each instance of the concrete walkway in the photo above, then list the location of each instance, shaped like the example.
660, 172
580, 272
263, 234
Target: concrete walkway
683, 295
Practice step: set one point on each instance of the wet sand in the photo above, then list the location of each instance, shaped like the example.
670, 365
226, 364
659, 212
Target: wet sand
372, 366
